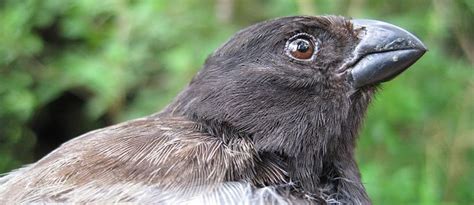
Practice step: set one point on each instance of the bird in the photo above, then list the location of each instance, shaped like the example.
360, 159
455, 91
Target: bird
272, 117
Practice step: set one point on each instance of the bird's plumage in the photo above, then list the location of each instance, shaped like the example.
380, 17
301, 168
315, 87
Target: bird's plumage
151, 159
255, 126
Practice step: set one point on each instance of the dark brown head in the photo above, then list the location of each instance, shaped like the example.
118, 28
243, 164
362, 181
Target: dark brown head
298, 86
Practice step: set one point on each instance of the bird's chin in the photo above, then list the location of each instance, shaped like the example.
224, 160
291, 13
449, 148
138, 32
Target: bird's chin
365, 91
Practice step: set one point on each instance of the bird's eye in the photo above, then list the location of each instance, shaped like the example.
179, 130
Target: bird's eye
301, 47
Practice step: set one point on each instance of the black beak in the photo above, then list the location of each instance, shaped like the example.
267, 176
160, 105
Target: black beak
384, 51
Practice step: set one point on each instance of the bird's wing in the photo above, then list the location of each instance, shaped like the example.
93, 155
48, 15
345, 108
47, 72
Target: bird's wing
149, 158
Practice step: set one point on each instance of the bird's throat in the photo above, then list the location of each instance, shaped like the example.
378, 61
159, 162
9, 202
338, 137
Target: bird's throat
313, 144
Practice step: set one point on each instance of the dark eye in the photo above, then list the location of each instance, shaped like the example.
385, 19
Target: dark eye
301, 47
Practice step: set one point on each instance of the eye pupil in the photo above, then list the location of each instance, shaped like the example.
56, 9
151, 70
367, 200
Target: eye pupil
302, 46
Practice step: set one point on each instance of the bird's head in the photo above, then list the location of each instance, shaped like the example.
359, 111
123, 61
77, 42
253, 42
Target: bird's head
295, 84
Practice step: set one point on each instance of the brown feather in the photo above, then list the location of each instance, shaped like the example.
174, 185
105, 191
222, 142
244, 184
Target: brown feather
165, 154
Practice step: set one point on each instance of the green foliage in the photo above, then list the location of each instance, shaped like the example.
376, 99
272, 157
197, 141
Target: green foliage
128, 58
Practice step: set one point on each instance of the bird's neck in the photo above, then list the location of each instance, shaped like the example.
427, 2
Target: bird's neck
317, 141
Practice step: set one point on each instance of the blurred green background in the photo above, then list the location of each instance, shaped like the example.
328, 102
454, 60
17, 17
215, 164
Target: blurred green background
70, 66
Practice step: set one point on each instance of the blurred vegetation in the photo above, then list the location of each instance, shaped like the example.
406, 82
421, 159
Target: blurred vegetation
70, 66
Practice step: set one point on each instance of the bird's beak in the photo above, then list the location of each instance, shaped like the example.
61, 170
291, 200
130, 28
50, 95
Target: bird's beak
384, 51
